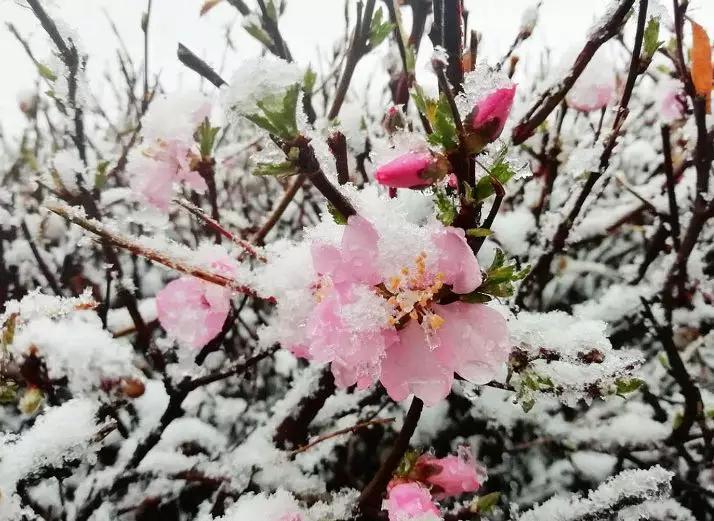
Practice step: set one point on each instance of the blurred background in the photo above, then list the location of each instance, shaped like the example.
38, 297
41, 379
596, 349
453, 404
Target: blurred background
310, 27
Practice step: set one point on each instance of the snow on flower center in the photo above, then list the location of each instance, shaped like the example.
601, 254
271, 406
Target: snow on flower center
411, 294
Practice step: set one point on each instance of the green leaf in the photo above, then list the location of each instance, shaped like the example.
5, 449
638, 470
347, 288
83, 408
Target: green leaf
476, 297
500, 171
484, 504
445, 207
283, 169
8, 331
444, 132
308, 81
206, 137
258, 33
627, 385
101, 177
378, 29
651, 40
46, 72
499, 278
277, 113
271, 10
336, 214
479, 232
8, 392
527, 403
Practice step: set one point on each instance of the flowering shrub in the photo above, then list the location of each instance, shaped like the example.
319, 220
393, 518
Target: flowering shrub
491, 298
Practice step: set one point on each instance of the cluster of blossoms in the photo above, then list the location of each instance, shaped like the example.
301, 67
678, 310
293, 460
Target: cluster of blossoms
484, 109
411, 493
562, 328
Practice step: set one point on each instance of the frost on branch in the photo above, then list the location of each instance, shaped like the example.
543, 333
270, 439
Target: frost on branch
60, 435
569, 357
366, 290
628, 488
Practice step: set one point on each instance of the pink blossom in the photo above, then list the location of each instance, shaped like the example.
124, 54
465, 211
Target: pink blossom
169, 155
192, 310
594, 97
409, 501
155, 173
450, 476
406, 171
489, 115
421, 343
596, 85
670, 101
290, 517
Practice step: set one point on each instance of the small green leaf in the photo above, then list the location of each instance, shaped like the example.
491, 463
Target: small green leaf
336, 214
258, 33
101, 177
206, 137
271, 10
527, 403
284, 169
479, 232
8, 331
8, 392
500, 171
444, 132
445, 207
277, 113
46, 72
476, 297
484, 504
627, 385
378, 29
651, 40
308, 81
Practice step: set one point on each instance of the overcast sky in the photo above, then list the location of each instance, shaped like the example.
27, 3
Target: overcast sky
310, 27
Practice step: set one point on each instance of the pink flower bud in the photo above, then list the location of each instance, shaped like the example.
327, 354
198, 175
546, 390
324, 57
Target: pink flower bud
450, 476
412, 169
489, 115
453, 181
596, 98
409, 501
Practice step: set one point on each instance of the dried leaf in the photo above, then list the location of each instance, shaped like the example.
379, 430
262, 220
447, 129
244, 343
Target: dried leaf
208, 5
701, 63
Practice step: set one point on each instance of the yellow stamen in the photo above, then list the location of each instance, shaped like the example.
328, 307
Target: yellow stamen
436, 321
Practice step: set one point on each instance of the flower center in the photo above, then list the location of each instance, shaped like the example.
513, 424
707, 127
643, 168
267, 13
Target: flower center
411, 294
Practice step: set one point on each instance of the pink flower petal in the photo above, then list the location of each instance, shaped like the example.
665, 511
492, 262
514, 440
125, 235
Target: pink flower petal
491, 112
456, 261
452, 475
473, 341
408, 501
360, 251
412, 367
192, 311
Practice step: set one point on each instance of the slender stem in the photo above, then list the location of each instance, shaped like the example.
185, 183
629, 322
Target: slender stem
370, 498
540, 274
671, 196
275, 215
553, 96
145, 27
44, 269
358, 48
346, 430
